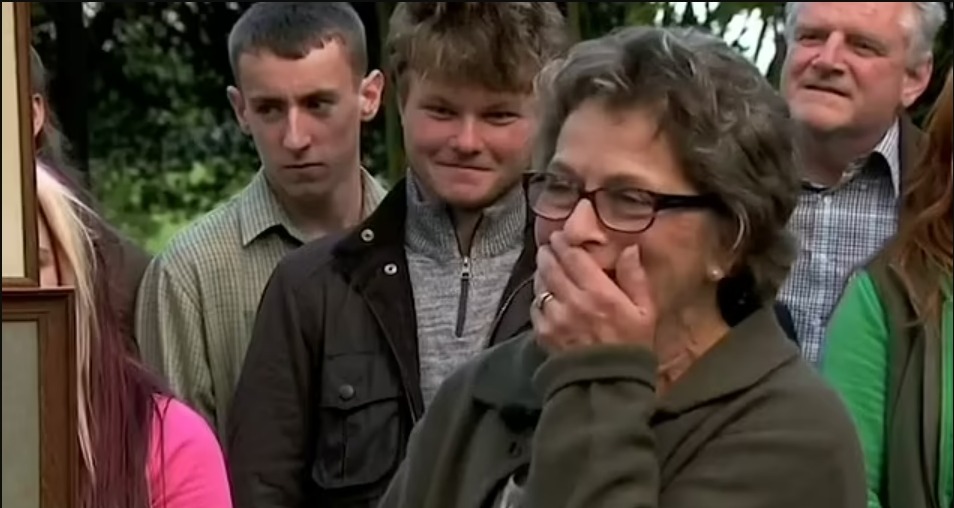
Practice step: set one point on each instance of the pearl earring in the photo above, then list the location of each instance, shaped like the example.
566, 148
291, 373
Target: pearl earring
716, 274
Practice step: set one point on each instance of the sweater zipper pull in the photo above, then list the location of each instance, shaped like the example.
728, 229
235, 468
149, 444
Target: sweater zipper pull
464, 290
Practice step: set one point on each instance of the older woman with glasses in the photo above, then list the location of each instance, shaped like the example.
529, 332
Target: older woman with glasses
656, 373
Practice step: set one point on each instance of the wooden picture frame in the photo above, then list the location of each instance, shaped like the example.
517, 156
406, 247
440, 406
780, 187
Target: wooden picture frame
40, 451
20, 258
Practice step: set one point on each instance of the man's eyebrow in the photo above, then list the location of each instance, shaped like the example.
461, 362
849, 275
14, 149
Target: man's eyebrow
821, 27
866, 38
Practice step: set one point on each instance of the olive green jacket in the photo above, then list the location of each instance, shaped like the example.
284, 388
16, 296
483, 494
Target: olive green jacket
750, 425
894, 372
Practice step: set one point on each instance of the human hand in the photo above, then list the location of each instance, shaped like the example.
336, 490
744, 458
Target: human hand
579, 305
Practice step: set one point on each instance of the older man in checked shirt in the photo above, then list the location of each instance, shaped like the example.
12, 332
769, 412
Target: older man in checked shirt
850, 72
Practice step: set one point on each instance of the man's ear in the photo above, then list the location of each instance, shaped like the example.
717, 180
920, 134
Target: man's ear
916, 81
238, 107
39, 113
372, 89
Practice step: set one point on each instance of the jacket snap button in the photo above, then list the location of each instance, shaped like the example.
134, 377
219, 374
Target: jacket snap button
391, 269
346, 392
367, 235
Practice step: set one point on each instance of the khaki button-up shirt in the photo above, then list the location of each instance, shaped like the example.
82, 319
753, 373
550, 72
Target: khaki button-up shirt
198, 298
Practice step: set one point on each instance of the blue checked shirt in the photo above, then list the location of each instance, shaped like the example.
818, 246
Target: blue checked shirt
838, 229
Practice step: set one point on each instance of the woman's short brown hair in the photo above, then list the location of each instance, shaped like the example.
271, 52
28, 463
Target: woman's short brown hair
501, 46
730, 129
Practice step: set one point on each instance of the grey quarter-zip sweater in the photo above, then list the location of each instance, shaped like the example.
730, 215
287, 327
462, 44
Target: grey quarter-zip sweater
457, 294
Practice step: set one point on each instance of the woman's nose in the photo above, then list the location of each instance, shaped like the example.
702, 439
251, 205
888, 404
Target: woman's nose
583, 225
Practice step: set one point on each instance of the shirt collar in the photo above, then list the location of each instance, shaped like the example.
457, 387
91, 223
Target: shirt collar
260, 211
889, 148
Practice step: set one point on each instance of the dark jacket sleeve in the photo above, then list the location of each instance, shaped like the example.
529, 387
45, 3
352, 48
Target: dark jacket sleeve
269, 423
594, 447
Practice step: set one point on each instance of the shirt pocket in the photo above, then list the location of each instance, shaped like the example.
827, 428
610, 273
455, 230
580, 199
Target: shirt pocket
359, 418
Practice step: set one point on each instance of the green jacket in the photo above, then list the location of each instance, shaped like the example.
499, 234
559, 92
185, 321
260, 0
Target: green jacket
750, 425
896, 381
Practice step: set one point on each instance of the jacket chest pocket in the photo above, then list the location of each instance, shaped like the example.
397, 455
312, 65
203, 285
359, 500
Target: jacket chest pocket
359, 418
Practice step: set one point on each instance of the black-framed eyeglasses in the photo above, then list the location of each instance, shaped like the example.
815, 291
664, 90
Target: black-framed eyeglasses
622, 209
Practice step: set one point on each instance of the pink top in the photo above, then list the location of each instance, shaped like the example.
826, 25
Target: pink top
186, 466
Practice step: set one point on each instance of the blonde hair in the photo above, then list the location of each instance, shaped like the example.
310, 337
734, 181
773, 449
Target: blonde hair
63, 213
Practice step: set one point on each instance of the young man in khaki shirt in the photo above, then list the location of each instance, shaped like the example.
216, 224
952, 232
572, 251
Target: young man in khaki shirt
302, 90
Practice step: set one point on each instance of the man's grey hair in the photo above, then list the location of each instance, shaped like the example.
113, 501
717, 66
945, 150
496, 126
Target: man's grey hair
922, 23
729, 128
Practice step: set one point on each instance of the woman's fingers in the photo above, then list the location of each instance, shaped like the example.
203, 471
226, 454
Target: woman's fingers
585, 273
567, 314
580, 266
556, 278
551, 274
633, 280
555, 325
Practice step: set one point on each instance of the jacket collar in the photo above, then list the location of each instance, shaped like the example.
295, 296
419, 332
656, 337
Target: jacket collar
752, 350
909, 149
382, 235
372, 259
260, 211
377, 238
